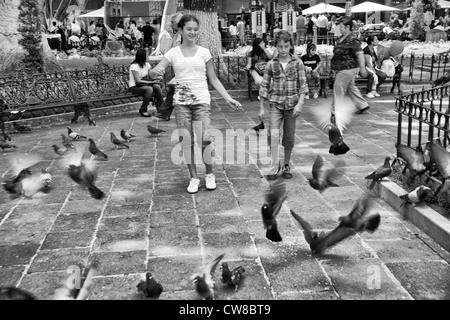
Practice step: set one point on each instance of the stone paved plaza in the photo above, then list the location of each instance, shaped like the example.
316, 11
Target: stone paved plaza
148, 221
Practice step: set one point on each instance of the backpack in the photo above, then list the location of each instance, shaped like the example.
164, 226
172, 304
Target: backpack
388, 67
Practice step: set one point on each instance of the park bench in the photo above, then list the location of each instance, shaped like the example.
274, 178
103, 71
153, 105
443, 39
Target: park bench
26, 95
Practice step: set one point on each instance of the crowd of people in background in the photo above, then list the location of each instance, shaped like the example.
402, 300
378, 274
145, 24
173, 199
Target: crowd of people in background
134, 34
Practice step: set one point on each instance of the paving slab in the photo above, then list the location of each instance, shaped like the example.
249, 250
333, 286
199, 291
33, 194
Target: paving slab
148, 222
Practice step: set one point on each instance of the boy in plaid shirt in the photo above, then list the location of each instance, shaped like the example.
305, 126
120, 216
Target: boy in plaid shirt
284, 85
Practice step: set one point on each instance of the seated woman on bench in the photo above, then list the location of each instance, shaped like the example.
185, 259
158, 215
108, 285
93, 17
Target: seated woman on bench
140, 82
257, 60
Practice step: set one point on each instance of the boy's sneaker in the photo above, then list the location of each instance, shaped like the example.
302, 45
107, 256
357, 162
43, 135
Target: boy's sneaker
370, 95
376, 94
307, 97
194, 184
316, 95
286, 172
210, 181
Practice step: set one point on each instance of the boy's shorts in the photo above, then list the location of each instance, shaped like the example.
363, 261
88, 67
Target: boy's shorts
282, 118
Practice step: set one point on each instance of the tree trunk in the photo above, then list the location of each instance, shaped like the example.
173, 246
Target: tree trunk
11, 53
169, 8
209, 35
61, 13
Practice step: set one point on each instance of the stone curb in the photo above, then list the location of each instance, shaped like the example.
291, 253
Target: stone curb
421, 215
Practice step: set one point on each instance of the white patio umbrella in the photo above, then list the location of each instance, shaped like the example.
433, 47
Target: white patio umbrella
444, 4
99, 13
372, 6
323, 8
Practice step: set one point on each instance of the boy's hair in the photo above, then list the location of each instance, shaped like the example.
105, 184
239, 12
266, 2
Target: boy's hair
370, 39
285, 36
310, 46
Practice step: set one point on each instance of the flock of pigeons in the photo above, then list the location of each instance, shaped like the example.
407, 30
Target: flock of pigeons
81, 169
435, 159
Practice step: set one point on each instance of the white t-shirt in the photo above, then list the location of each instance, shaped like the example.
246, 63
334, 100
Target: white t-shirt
233, 30
142, 72
191, 85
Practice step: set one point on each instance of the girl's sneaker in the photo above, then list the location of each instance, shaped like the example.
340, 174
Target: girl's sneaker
210, 181
194, 184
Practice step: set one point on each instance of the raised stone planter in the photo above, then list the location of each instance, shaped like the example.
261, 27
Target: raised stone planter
421, 215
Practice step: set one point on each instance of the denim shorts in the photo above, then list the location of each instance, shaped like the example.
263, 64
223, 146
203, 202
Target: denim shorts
190, 119
281, 118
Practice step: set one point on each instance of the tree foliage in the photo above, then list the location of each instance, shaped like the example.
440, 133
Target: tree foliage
200, 5
419, 8
30, 30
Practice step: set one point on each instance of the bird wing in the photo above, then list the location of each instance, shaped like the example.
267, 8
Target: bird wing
413, 157
276, 191
86, 288
74, 158
361, 206
31, 185
329, 174
442, 158
305, 225
343, 114
317, 166
209, 269
18, 163
335, 236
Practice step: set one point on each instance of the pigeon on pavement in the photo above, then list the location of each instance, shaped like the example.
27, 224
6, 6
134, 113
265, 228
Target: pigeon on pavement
416, 196
380, 173
150, 287
59, 150
323, 176
126, 135
204, 282
99, 155
66, 142
154, 130
273, 200
74, 135
118, 143
231, 278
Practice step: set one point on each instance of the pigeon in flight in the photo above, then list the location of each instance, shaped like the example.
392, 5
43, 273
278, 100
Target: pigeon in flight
323, 176
273, 200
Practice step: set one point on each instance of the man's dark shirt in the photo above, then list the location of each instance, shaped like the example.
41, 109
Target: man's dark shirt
344, 54
148, 31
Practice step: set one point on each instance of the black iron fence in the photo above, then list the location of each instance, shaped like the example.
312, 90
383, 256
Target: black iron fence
424, 116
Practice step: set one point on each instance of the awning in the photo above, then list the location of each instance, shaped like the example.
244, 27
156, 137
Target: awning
323, 8
372, 6
99, 13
